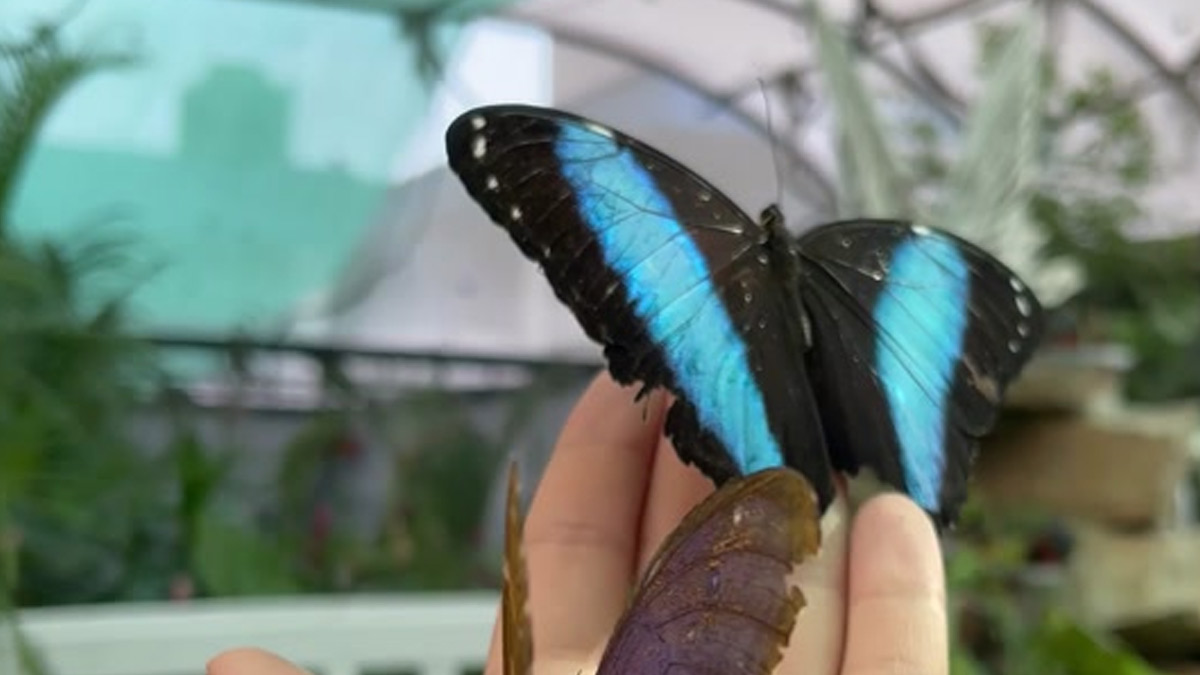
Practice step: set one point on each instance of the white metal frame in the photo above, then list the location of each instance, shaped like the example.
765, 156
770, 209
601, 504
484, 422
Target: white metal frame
430, 634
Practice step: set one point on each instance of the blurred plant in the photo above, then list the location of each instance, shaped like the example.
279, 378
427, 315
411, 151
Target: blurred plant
1142, 293
34, 76
67, 376
88, 515
1064, 231
983, 194
428, 26
1004, 620
67, 372
216, 548
1065, 228
443, 481
442, 468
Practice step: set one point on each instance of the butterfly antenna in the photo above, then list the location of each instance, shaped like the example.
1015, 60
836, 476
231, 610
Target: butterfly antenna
775, 158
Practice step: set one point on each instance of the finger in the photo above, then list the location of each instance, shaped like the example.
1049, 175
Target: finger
815, 647
250, 661
674, 489
897, 596
580, 538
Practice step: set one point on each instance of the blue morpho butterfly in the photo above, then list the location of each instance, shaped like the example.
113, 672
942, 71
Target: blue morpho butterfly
717, 596
870, 343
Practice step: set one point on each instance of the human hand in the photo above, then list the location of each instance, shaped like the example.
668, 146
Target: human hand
614, 489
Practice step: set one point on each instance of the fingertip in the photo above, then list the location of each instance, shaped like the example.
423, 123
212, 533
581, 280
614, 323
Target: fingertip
251, 661
896, 547
896, 591
581, 533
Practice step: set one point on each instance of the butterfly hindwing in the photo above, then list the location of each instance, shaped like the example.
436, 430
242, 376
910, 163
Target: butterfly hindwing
917, 333
717, 597
679, 286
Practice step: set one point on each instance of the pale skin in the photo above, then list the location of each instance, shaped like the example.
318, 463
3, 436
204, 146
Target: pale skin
614, 488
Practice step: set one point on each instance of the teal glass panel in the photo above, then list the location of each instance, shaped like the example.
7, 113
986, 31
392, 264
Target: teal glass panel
245, 151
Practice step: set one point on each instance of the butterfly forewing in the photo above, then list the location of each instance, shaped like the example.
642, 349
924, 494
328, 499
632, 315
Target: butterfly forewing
681, 288
917, 333
717, 598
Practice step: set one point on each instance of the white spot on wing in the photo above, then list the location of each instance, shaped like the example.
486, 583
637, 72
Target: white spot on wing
478, 122
515, 213
739, 514
1023, 305
987, 386
597, 129
478, 147
1016, 285
491, 182
921, 230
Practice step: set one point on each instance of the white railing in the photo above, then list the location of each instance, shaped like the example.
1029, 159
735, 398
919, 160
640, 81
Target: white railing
429, 634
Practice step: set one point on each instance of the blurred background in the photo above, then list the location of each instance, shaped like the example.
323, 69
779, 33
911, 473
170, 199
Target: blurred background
262, 361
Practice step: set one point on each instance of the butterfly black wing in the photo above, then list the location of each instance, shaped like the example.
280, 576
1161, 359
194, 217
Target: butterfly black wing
680, 287
916, 335
717, 597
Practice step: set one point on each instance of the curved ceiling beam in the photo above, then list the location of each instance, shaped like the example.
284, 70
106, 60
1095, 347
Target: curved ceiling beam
815, 184
924, 84
800, 13
1176, 82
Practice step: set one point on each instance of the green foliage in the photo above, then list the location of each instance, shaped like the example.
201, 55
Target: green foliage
68, 371
987, 192
983, 193
34, 76
1063, 647
232, 560
991, 172
1038, 197
1001, 622
872, 181
89, 514
436, 518
1144, 294
1071, 220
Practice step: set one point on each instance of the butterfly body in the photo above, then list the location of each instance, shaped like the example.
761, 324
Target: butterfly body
861, 343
